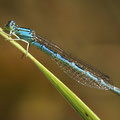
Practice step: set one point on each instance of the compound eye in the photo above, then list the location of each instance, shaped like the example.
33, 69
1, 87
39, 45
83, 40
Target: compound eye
12, 23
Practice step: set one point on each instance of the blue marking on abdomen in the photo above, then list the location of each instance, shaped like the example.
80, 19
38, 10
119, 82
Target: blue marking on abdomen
74, 66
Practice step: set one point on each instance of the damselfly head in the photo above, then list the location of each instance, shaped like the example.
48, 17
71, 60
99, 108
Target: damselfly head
10, 26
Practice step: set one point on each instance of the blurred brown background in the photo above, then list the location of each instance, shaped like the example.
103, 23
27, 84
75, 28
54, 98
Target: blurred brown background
88, 29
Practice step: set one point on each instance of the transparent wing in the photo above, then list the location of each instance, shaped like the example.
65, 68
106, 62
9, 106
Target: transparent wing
71, 71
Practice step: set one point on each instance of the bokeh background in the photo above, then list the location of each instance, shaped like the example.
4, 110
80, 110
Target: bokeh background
88, 29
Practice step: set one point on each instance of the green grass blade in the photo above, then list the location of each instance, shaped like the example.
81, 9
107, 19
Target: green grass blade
76, 103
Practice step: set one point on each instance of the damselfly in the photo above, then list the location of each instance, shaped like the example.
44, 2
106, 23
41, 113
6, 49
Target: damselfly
77, 69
